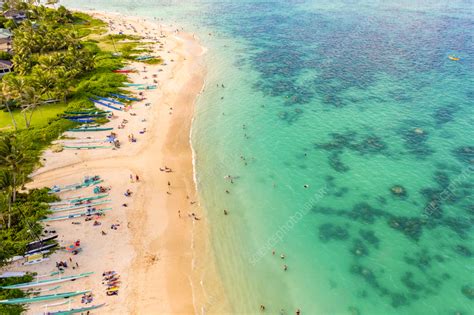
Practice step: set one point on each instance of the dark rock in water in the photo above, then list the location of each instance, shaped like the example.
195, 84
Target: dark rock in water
339, 141
371, 144
444, 115
382, 200
468, 291
442, 179
365, 273
329, 231
365, 213
359, 249
369, 236
460, 225
361, 212
399, 299
398, 190
408, 281
470, 209
341, 192
421, 260
415, 142
465, 154
445, 276
369, 277
463, 251
336, 163
354, 310
411, 227
368, 145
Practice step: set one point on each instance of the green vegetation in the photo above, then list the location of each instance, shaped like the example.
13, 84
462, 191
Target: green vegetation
12, 294
60, 60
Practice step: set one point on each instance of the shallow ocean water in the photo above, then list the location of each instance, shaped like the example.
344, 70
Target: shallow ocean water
359, 101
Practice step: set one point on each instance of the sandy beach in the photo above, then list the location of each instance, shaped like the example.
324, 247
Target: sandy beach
161, 246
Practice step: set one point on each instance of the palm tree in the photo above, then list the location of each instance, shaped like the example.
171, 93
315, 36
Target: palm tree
6, 183
31, 98
13, 160
6, 101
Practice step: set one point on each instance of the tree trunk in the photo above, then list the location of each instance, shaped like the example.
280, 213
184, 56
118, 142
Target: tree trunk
14, 188
26, 119
11, 116
9, 212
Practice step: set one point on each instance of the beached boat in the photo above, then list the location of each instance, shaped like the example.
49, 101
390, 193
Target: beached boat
42, 298
41, 249
87, 129
147, 87
105, 104
125, 97
35, 258
75, 215
110, 100
84, 205
134, 84
85, 115
143, 58
85, 111
87, 181
39, 283
76, 310
37, 244
79, 141
74, 200
85, 147
82, 120
89, 198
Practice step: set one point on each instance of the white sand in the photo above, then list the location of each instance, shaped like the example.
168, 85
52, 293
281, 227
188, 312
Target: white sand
165, 262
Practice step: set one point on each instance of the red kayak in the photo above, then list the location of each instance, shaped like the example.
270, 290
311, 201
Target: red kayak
124, 71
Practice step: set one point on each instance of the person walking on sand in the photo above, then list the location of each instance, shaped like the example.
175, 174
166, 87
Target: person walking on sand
131, 178
137, 178
169, 185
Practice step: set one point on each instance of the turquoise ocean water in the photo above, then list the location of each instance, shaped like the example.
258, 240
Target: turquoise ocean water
349, 135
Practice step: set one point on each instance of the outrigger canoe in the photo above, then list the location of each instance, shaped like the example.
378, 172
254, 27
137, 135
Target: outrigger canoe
86, 147
147, 87
76, 310
42, 298
125, 97
86, 182
75, 200
75, 215
110, 100
86, 129
39, 283
84, 205
105, 104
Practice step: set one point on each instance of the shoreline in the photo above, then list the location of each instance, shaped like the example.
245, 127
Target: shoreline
163, 257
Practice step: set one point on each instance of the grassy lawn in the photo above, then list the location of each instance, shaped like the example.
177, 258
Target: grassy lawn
40, 116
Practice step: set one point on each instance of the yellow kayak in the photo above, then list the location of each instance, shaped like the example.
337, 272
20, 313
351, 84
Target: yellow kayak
453, 58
